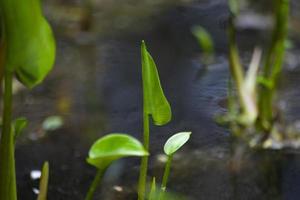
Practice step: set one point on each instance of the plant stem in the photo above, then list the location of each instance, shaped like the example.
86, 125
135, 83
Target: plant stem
166, 176
95, 183
144, 162
273, 64
8, 186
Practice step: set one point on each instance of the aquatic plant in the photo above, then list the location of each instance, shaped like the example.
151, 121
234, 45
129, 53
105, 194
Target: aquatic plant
109, 149
27, 50
254, 109
155, 105
173, 144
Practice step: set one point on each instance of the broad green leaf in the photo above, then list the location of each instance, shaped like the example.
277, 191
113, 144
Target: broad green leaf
176, 142
29, 45
155, 102
112, 147
44, 182
18, 126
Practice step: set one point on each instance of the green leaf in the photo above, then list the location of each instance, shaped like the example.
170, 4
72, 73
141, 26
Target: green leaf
204, 39
176, 142
44, 182
29, 44
155, 102
18, 126
112, 147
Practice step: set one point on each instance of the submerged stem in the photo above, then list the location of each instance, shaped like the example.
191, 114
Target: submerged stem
144, 162
95, 183
8, 189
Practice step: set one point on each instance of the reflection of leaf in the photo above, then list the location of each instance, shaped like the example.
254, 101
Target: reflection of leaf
52, 123
155, 102
176, 142
44, 182
29, 44
112, 147
19, 125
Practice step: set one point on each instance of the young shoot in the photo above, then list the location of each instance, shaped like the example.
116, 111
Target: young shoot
44, 182
155, 104
109, 149
173, 144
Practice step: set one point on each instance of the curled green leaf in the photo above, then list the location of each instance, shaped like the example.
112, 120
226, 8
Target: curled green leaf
155, 102
28, 42
113, 147
176, 142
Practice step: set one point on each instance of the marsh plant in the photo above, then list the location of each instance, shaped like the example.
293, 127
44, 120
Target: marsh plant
27, 51
114, 146
253, 113
108, 149
155, 105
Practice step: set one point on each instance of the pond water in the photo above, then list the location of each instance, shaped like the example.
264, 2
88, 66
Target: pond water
96, 88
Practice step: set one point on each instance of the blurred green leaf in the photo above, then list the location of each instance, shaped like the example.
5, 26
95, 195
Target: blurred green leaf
18, 126
29, 45
155, 102
53, 123
44, 182
176, 142
204, 39
112, 147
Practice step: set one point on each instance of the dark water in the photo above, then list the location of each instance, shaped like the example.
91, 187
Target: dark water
96, 88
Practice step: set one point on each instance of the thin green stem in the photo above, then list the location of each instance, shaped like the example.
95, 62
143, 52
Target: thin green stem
95, 183
166, 176
8, 187
144, 162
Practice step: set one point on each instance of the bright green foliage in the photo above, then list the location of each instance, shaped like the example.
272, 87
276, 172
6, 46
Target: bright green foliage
44, 182
176, 142
18, 126
29, 45
204, 39
112, 147
155, 102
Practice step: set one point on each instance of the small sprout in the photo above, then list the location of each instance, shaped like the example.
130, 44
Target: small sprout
176, 142
112, 147
108, 149
172, 145
19, 125
152, 193
52, 123
44, 182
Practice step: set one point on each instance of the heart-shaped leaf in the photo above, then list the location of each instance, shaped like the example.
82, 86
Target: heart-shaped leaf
155, 102
176, 142
28, 42
112, 147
